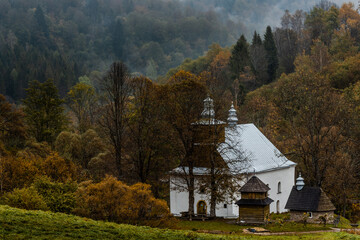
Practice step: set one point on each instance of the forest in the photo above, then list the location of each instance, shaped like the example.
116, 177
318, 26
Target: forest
81, 38
75, 140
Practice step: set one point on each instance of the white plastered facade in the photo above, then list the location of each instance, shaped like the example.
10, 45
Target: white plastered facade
266, 162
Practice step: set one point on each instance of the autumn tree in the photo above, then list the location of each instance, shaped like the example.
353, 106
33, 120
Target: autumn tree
12, 129
319, 55
342, 45
45, 116
148, 144
313, 117
80, 148
286, 42
349, 19
116, 90
184, 105
82, 100
343, 74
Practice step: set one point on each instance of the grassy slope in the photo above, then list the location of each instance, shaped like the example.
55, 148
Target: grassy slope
22, 224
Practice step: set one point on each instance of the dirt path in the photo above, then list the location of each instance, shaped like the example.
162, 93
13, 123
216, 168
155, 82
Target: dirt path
295, 233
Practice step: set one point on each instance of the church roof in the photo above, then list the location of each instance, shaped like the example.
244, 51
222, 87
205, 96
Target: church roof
247, 150
309, 199
254, 185
260, 153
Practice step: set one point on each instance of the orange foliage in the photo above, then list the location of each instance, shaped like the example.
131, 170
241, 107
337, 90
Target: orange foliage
220, 61
183, 75
115, 201
18, 172
59, 169
349, 18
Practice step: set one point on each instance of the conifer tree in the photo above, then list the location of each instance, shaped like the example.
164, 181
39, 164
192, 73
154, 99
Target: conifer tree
40, 20
256, 39
40, 30
258, 60
45, 116
271, 54
239, 57
118, 39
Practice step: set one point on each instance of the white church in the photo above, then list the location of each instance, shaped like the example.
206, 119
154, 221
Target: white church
263, 160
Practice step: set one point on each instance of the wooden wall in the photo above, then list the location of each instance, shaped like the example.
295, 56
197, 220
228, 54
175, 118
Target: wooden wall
253, 195
253, 214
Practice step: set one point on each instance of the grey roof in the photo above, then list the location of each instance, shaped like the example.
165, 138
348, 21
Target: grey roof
261, 154
254, 185
246, 150
309, 199
257, 202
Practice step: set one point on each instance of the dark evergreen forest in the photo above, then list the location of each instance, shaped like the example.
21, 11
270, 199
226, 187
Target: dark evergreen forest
64, 40
68, 39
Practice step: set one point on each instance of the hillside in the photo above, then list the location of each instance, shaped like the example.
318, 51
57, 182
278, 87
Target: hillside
65, 40
22, 224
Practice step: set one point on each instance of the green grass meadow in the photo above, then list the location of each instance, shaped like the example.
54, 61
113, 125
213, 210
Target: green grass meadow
23, 224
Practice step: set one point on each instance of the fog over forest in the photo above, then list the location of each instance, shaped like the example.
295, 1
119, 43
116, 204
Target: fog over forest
256, 15
81, 38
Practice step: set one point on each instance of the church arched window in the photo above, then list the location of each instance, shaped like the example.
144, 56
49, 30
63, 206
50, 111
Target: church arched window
279, 187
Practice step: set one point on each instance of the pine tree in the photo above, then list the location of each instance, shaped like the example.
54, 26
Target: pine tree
40, 30
271, 54
239, 57
44, 112
256, 39
259, 64
40, 20
118, 39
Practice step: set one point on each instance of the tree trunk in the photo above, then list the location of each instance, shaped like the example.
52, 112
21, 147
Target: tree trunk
191, 189
213, 189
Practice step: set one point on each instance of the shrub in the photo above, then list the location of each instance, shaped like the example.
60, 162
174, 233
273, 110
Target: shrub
26, 198
21, 171
59, 197
115, 201
58, 168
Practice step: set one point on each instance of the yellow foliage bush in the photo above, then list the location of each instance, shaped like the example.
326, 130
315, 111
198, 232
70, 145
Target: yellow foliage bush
115, 201
26, 198
21, 171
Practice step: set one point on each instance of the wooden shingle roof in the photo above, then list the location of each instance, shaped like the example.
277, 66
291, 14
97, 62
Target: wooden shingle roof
309, 199
254, 185
257, 202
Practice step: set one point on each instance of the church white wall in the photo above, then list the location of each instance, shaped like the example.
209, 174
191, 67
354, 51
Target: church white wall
286, 177
179, 199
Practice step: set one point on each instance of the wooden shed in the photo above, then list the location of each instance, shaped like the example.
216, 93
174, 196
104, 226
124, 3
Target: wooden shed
254, 202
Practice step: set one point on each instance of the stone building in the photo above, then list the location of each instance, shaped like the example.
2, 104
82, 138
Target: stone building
310, 203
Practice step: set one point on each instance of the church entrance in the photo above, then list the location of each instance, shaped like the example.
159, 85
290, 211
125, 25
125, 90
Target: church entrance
201, 207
